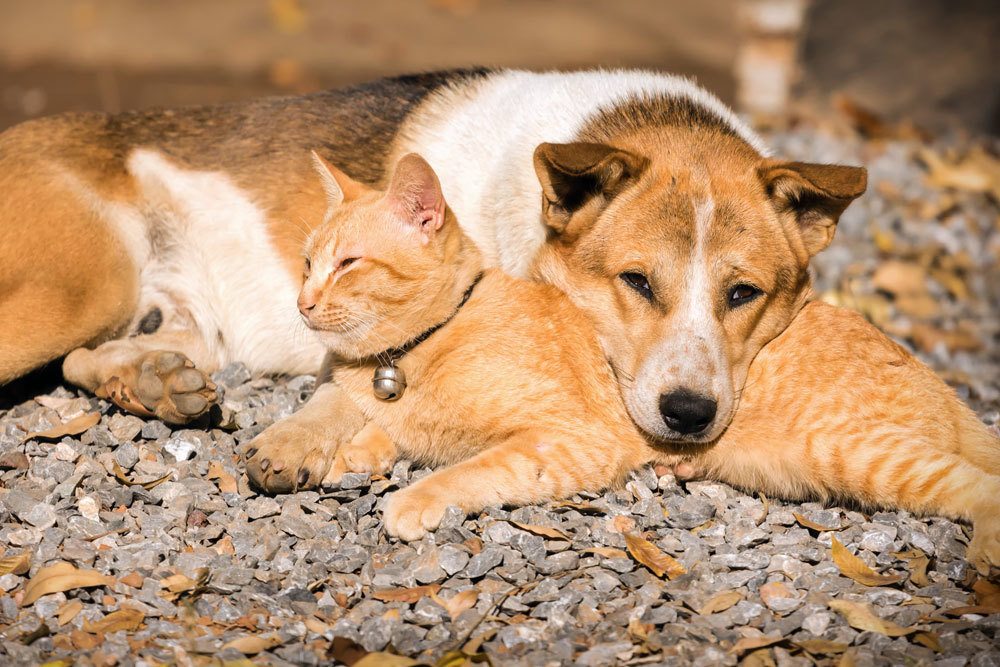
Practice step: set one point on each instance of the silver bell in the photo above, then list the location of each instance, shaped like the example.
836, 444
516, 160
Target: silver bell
389, 383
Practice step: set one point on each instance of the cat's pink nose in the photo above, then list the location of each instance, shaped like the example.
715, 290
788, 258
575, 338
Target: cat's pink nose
307, 304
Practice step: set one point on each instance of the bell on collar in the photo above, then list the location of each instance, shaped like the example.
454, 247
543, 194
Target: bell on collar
389, 383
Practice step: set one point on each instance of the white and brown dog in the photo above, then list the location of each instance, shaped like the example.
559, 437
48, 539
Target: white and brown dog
153, 248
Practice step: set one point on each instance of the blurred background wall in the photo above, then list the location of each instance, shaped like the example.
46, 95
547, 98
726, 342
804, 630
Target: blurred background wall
934, 61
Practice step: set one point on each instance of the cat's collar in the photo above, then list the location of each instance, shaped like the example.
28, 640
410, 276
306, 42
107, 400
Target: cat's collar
389, 382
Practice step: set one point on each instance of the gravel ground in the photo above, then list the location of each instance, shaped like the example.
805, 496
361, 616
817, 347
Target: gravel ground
168, 557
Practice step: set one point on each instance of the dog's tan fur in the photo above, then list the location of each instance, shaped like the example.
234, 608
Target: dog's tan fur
513, 394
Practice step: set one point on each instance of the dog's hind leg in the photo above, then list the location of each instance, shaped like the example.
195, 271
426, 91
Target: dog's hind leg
164, 374
66, 277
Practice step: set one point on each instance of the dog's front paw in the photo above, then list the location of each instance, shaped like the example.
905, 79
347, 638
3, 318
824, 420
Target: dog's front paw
413, 512
984, 549
287, 458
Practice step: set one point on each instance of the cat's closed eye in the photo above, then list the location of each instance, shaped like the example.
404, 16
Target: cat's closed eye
344, 263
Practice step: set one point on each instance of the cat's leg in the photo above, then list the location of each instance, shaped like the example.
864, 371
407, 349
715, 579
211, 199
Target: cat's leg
370, 451
299, 451
164, 374
528, 468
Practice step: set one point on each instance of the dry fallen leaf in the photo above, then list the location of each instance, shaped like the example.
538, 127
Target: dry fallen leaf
918, 563
720, 602
62, 577
68, 611
253, 644
977, 171
987, 593
461, 601
408, 595
767, 508
650, 555
225, 481
753, 643
930, 640
543, 531
607, 552
17, 564
854, 568
120, 475
812, 525
385, 660
72, 427
123, 619
821, 646
860, 617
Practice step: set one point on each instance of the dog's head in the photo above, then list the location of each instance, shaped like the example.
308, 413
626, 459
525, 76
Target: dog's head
689, 255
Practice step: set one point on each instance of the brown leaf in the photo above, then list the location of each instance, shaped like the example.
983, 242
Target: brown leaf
582, 508
120, 475
930, 640
134, 579
253, 644
68, 611
461, 601
821, 646
971, 609
18, 564
72, 427
460, 659
408, 595
812, 525
854, 568
225, 481
987, 593
860, 617
767, 508
62, 577
753, 643
650, 555
123, 619
543, 531
14, 460
720, 602
607, 552
759, 658
918, 570
978, 171
346, 650
385, 660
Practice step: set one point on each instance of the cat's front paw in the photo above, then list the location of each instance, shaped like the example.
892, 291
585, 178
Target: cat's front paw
984, 549
286, 458
413, 512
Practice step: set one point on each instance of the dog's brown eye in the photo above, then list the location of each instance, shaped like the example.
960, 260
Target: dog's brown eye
639, 283
741, 294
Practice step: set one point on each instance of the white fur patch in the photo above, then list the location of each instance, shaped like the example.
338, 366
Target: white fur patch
691, 355
212, 267
480, 140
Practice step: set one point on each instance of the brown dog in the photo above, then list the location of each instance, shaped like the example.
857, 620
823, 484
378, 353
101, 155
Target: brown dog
156, 247
505, 382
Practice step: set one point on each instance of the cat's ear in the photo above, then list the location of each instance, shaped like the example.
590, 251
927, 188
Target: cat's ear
338, 186
415, 194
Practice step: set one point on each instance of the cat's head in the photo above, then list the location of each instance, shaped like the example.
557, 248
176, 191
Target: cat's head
376, 266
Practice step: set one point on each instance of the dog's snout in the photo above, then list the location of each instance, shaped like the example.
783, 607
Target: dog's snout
686, 412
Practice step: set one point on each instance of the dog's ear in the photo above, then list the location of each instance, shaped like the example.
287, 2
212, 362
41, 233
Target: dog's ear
415, 194
573, 174
813, 194
338, 186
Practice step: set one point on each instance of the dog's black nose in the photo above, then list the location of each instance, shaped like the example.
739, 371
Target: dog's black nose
687, 412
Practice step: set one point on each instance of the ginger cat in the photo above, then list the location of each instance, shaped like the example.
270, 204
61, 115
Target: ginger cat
509, 389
